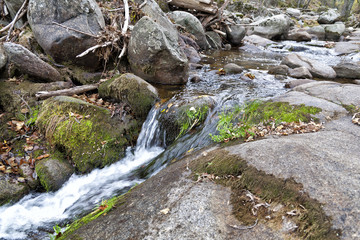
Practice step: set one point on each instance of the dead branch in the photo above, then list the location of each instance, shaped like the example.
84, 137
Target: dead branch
123, 50
127, 17
18, 15
218, 17
199, 5
67, 92
92, 49
75, 30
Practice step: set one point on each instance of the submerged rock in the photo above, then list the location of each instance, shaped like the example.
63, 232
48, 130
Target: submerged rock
155, 55
258, 40
30, 64
64, 44
132, 90
232, 68
53, 173
86, 133
316, 68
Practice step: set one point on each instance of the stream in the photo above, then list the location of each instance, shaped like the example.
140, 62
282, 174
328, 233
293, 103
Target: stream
35, 215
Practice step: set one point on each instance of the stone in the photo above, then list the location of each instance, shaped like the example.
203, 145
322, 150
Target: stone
279, 70
347, 47
132, 90
299, 36
53, 173
316, 68
91, 136
191, 25
62, 44
155, 55
196, 79
334, 32
293, 12
235, 34
347, 94
274, 27
349, 70
232, 68
329, 16
3, 57
318, 32
297, 82
357, 82
214, 39
258, 40
300, 72
30, 64
11, 191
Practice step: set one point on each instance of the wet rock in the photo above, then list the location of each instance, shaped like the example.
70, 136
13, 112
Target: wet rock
300, 72
347, 94
190, 47
329, 16
235, 34
196, 79
293, 12
53, 173
299, 36
347, 70
347, 47
10, 93
318, 32
155, 55
335, 31
60, 43
272, 27
30, 64
279, 70
227, 47
11, 191
214, 39
191, 25
258, 40
232, 68
317, 69
87, 134
297, 82
3, 57
132, 90
174, 115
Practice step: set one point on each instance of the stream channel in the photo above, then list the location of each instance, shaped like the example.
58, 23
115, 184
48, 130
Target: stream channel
34, 216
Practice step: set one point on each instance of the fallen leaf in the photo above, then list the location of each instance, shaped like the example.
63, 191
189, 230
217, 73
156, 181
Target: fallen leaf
165, 211
43, 156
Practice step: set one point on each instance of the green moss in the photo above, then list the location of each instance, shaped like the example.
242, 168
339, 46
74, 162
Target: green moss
236, 123
352, 109
90, 141
191, 117
313, 222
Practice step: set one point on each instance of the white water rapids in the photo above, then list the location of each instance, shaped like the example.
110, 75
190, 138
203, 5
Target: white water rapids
79, 193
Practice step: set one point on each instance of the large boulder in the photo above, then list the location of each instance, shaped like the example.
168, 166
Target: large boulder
155, 55
132, 90
293, 12
272, 27
11, 191
53, 172
318, 32
333, 32
235, 34
61, 43
191, 25
299, 35
316, 68
88, 134
348, 70
30, 64
329, 16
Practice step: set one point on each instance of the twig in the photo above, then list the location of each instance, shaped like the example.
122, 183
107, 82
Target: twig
127, 17
18, 15
244, 227
75, 30
67, 92
220, 32
143, 4
115, 10
94, 48
123, 51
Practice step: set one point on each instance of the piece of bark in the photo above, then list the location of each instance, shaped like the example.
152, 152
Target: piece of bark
195, 4
67, 92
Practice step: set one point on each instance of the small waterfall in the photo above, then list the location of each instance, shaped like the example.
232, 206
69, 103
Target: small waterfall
80, 193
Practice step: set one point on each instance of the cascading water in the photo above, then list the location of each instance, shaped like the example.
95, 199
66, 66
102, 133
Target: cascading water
80, 193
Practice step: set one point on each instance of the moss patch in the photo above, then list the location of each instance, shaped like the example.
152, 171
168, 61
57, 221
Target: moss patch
86, 133
311, 220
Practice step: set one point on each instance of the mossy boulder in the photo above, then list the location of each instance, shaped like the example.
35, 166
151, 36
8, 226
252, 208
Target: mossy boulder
179, 117
132, 90
53, 172
11, 191
86, 133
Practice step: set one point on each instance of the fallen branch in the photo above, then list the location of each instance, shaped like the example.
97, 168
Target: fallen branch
75, 30
201, 6
92, 49
127, 17
67, 92
18, 15
123, 51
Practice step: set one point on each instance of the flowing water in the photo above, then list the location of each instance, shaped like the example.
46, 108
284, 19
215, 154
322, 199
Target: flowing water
36, 213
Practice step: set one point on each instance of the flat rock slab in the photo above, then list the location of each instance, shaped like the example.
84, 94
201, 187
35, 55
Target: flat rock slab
326, 163
195, 211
